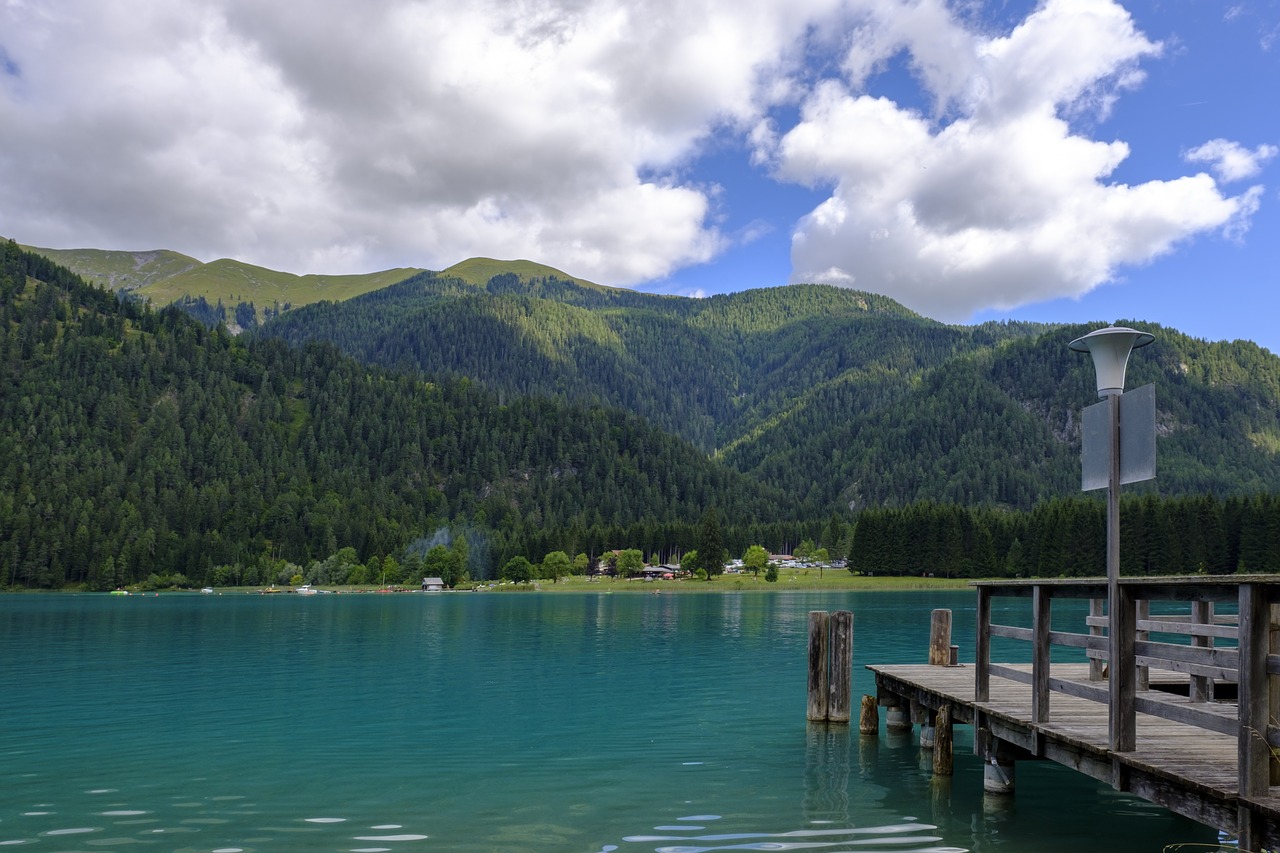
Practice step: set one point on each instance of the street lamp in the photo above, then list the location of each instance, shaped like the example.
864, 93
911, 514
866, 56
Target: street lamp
1110, 348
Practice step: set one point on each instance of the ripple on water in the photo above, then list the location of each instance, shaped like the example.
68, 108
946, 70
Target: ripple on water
78, 830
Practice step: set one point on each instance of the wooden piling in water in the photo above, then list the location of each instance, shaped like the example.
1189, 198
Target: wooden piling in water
869, 719
940, 637
943, 758
841, 669
819, 683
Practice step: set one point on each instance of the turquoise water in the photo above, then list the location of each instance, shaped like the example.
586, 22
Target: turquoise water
491, 722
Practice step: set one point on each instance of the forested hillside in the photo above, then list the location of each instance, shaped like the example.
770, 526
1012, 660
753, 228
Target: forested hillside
840, 399
134, 442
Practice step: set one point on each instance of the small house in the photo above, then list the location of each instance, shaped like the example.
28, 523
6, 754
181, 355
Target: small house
432, 584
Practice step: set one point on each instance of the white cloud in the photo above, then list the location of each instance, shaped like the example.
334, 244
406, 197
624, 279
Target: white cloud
323, 133
1231, 161
995, 201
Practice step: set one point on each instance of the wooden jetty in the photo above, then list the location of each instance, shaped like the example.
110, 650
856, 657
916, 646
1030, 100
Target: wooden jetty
1185, 716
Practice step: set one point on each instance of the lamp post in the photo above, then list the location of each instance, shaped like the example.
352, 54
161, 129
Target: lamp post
1110, 348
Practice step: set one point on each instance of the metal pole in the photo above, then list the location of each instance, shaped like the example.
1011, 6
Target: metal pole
1121, 718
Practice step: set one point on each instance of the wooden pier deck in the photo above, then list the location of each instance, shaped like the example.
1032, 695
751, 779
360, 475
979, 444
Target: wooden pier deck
1213, 761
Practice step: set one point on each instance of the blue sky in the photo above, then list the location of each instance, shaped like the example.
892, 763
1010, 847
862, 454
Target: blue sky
1068, 160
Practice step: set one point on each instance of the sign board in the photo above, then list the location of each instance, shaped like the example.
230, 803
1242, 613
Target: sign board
1137, 440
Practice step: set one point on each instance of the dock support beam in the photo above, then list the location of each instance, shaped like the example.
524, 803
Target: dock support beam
943, 756
998, 777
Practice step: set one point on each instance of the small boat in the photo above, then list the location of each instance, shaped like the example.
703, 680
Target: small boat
119, 592
306, 589
208, 590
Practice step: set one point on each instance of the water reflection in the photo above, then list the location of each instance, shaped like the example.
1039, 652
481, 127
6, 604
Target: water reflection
828, 766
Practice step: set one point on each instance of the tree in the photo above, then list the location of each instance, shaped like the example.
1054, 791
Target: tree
690, 562
833, 537
771, 573
456, 566
580, 564
437, 563
555, 566
518, 570
630, 562
755, 559
711, 555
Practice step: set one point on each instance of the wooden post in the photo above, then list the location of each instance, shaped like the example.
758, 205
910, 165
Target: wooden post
819, 686
1251, 745
869, 719
1144, 672
1096, 665
1202, 685
841, 677
942, 743
1040, 621
940, 638
982, 648
1255, 776
1273, 688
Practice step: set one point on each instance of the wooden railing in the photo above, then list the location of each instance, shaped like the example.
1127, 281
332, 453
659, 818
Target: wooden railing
1211, 648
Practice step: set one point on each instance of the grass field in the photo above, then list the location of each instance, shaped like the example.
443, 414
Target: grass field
789, 580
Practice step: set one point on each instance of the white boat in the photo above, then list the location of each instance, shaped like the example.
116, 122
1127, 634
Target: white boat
208, 590
306, 589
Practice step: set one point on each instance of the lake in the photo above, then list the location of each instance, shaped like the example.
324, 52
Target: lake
589, 723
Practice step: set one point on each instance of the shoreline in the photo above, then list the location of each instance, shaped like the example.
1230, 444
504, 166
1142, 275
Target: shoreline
788, 582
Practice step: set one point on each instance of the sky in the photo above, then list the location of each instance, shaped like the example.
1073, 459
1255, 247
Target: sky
1059, 161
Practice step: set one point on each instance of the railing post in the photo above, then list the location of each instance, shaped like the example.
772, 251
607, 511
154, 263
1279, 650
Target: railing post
1202, 685
982, 648
1096, 665
1255, 631
1273, 688
1040, 621
1143, 613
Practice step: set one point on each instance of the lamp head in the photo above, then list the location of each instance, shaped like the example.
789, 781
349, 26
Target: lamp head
1110, 348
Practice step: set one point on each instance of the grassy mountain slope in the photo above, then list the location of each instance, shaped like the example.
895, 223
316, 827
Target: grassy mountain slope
233, 282
121, 270
478, 272
164, 277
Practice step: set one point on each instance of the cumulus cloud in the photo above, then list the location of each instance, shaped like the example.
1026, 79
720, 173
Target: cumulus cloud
992, 199
335, 136
331, 136
1231, 161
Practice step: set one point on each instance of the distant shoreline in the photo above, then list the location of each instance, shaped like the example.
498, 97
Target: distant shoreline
834, 580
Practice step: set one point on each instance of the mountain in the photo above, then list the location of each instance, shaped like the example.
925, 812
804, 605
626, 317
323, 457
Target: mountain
838, 398
135, 442
164, 277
